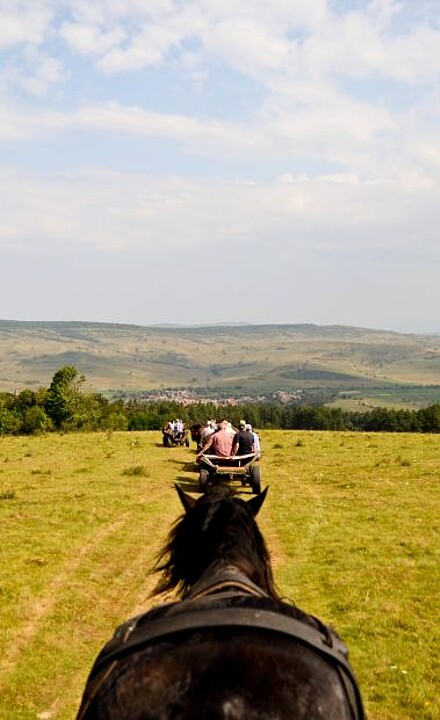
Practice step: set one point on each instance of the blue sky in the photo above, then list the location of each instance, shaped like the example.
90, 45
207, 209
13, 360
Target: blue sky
221, 160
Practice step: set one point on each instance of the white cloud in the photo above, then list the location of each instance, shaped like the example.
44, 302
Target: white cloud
197, 134
89, 39
24, 22
279, 16
247, 46
43, 72
112, 211
125, 35
332, 128
148, 49
299, 39
15, 123
414, 58
384, 10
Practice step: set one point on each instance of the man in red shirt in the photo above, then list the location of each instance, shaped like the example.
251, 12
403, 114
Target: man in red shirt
220, 442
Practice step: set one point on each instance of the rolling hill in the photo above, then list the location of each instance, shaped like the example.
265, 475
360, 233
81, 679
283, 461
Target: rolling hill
348, 364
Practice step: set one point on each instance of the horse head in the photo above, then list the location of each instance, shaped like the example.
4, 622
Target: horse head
196, 431
221, 653
216, 529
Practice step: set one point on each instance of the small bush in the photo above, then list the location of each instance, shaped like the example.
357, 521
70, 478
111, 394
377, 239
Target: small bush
135, 470
7, 495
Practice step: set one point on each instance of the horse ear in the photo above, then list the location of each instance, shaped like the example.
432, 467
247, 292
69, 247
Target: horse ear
257, 501
187, 501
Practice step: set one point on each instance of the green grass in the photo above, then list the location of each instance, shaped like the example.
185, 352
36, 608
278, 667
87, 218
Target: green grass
352, 522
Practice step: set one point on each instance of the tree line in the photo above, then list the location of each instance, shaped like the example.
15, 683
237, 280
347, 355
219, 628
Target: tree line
67, 405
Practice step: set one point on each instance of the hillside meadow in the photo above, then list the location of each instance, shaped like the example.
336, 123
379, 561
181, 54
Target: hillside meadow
351, 520
352, 367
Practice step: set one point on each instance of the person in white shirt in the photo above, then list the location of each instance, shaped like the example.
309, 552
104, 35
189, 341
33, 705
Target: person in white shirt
178, 426
209, 428
257, 447
230, 429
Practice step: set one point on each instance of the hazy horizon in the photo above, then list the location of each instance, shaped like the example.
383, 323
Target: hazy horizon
224, 323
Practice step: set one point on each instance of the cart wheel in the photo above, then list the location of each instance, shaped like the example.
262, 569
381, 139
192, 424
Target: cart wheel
203, 479
167, 441
256, 479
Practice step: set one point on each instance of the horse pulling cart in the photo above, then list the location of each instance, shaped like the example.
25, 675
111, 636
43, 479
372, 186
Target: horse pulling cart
214, 469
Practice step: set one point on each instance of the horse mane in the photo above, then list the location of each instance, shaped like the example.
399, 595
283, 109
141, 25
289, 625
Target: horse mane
217, 529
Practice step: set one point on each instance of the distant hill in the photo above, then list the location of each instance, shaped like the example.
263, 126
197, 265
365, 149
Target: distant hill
347, 363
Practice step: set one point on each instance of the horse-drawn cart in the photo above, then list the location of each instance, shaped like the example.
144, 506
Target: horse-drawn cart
214, 469
170, 438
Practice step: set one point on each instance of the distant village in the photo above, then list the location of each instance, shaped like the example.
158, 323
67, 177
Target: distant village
190, 396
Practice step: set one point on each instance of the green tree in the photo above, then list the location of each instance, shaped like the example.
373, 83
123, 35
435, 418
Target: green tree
24, 400
67, 404
35, 420
114, 416
429, 418
9, 421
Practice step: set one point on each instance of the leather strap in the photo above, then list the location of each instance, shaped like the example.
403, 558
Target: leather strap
227, 577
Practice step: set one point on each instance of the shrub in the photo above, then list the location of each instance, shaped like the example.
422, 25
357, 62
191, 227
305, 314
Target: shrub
136, 470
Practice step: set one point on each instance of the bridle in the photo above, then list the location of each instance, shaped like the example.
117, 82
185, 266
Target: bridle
200, 611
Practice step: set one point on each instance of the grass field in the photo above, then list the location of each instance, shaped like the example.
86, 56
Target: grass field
352, 522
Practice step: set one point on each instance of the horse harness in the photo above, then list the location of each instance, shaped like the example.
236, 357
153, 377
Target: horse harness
248, 607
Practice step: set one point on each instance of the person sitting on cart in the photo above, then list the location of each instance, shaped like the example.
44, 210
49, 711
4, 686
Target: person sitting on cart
179, 428
243, 443
257, 447
207, 430
231, 430
220, 442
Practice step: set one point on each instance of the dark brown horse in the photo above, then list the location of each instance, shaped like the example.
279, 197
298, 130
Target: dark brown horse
196, 433
230, 649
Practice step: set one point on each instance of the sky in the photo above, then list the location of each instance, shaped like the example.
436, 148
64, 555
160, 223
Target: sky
209, 161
